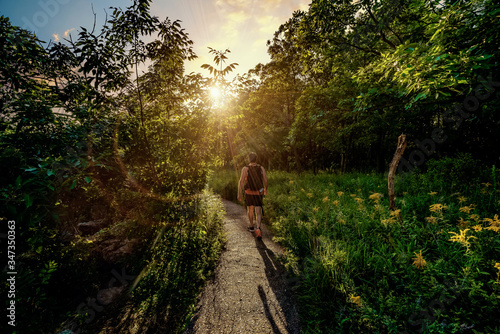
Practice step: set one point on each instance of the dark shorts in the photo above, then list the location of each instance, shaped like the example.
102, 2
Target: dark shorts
253, 200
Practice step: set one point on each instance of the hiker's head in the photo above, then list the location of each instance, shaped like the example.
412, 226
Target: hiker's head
252, 157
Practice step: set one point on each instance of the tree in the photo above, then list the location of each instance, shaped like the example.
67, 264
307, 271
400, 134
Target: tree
268, 111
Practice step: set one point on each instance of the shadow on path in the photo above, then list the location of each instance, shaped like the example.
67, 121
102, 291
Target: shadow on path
276, 276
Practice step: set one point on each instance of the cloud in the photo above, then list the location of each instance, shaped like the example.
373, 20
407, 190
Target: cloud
226, 6
57, 37
243, 26
239, 17
66, 33
269, 24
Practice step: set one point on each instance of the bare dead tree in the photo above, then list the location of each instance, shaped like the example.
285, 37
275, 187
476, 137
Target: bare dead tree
392, 170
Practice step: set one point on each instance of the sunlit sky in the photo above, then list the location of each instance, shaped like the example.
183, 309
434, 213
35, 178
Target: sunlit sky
242, 26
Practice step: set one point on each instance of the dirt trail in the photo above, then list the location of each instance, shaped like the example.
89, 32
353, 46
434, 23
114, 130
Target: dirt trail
249, 293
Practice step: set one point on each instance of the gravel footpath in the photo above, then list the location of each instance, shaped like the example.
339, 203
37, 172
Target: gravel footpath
249, 292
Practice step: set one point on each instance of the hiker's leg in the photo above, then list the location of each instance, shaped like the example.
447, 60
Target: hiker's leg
258, 212
250, 214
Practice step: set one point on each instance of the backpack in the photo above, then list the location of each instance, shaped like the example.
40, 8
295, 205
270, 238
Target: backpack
254, 178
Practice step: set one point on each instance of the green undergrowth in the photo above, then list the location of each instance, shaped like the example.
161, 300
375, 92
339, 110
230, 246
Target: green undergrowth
224, 183
431, 266
175, 245
182, 258
179, 259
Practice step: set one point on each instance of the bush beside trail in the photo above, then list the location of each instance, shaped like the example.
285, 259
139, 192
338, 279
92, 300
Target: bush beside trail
152, 261
180, 258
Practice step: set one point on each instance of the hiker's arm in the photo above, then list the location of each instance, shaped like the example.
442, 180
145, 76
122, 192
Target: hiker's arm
264, 177
242, 181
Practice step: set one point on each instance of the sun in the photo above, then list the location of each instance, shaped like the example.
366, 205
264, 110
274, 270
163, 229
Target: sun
217, 96
215, 93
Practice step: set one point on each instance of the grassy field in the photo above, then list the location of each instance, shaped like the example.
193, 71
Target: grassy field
431, 266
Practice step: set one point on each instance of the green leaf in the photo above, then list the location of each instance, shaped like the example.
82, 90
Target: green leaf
28, 200
419, 96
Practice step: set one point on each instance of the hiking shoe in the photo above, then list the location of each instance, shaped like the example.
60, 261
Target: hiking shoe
258, 234
251, 228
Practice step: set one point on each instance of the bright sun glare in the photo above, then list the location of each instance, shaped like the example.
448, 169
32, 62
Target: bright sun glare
215, 93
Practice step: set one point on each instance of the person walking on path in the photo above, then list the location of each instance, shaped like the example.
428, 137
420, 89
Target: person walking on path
254, 181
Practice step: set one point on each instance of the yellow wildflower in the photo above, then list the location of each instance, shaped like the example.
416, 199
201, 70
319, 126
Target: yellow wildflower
462, 222
359, 190
486, 184
303, 190
497, 266
315, 209
477, 228
432, 193
475, 217
325, 199
432, 220
291, 182
462, 199
342, 221
359, 200
335, 202
310, 195
340, 193
395, 213
467, 209
356, 300
437, 208
494, 228
419, 260
462, 238
494, 223
388, 221
376, 197
353, 195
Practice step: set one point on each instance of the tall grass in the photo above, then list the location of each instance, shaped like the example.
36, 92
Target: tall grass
432, 266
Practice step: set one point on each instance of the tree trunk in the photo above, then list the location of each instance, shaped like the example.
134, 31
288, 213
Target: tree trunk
392, 170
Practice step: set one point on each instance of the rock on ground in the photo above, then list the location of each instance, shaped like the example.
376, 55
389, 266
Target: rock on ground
250, 292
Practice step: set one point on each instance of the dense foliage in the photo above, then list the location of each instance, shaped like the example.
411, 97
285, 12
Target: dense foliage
102, 130
346, 78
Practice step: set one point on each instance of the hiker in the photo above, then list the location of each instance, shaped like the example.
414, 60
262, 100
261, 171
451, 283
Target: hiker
254, 181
